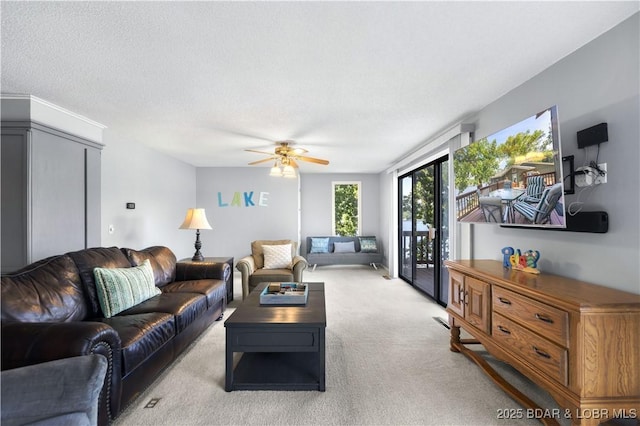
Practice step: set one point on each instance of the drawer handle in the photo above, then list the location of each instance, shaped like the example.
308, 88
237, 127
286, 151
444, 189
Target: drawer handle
544, 318
504, 329
541, 353
505, 301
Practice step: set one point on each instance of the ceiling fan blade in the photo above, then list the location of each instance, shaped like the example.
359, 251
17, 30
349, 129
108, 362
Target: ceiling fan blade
259, 152
313, 160
293, 163
261, 161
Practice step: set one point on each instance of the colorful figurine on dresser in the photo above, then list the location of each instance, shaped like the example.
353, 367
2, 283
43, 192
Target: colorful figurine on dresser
526, 262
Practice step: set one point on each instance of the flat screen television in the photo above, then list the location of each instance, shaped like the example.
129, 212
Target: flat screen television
513, 177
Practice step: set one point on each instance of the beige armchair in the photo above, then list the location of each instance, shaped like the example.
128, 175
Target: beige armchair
277, 269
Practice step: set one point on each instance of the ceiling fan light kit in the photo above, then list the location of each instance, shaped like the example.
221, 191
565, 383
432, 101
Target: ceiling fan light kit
285, 157
275, 170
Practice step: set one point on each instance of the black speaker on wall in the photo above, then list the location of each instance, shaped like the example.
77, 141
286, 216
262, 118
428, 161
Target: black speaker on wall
597, 222
593, 135
594, 222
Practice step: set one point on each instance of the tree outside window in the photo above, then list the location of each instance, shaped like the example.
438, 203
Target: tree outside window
346, 208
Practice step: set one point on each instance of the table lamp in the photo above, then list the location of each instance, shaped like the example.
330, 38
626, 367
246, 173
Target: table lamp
196, 219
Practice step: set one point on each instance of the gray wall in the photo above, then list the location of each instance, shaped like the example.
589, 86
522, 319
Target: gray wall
597, 83
162, 187
235, 226
316, 202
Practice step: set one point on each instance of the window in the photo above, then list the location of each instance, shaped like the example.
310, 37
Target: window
346, 208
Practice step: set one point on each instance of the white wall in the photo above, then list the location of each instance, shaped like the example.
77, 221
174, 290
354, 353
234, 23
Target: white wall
162, 188
236, 225
597, 83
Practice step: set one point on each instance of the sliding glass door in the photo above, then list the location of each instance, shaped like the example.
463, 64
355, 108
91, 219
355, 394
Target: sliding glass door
424, 234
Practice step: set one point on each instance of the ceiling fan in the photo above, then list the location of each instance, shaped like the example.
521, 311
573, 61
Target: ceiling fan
286, 159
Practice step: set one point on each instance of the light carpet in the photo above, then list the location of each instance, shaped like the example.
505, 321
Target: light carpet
387, 363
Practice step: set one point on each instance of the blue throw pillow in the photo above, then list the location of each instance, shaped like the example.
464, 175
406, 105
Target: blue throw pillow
344, 247
368, 245
319, 245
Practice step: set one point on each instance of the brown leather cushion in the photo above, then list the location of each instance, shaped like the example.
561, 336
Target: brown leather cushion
270, 275
46, 291
214, 290
258, 253
87, 260
186, 307
141, 335
162, 259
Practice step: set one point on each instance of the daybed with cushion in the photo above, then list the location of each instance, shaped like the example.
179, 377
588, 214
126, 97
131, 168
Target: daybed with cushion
136, 308
278, 262
343, 251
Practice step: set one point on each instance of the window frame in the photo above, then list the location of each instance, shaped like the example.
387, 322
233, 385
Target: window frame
333, 204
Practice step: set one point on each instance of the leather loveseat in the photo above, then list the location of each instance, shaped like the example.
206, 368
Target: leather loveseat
51, 310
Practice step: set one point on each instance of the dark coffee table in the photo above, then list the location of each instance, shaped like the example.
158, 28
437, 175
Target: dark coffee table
283, 347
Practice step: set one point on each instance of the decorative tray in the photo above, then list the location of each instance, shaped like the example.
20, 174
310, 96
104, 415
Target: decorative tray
284, 294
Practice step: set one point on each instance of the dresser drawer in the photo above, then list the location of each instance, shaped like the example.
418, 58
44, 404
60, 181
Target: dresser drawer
545, 320
542, 353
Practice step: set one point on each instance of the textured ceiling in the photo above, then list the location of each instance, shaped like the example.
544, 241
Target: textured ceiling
360, 84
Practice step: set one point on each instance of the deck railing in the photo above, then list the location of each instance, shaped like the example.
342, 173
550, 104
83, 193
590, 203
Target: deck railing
468, 202
424, 246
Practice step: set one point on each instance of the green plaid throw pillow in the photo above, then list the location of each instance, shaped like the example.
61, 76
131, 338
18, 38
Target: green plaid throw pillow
121, 288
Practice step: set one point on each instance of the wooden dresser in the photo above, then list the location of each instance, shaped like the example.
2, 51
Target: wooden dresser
578, 341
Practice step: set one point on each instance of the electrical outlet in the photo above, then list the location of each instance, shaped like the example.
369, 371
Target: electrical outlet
583, 177
588, 176
601, 178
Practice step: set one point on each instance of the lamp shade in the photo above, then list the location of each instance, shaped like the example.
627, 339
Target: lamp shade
195, 219
275, 171
288, 171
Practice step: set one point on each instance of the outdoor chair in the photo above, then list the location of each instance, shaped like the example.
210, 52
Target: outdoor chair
491, 208
541, 212
535, 188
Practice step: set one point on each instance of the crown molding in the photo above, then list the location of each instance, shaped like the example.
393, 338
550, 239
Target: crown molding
37, 100
431, 145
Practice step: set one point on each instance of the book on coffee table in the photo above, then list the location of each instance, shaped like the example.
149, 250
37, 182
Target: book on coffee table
284, 293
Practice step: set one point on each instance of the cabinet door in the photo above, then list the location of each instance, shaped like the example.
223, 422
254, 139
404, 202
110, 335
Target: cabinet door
476, 303
14, 205
57, 195
456, 293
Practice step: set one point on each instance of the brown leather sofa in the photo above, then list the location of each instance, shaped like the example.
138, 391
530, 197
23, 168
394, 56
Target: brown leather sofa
50, 310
